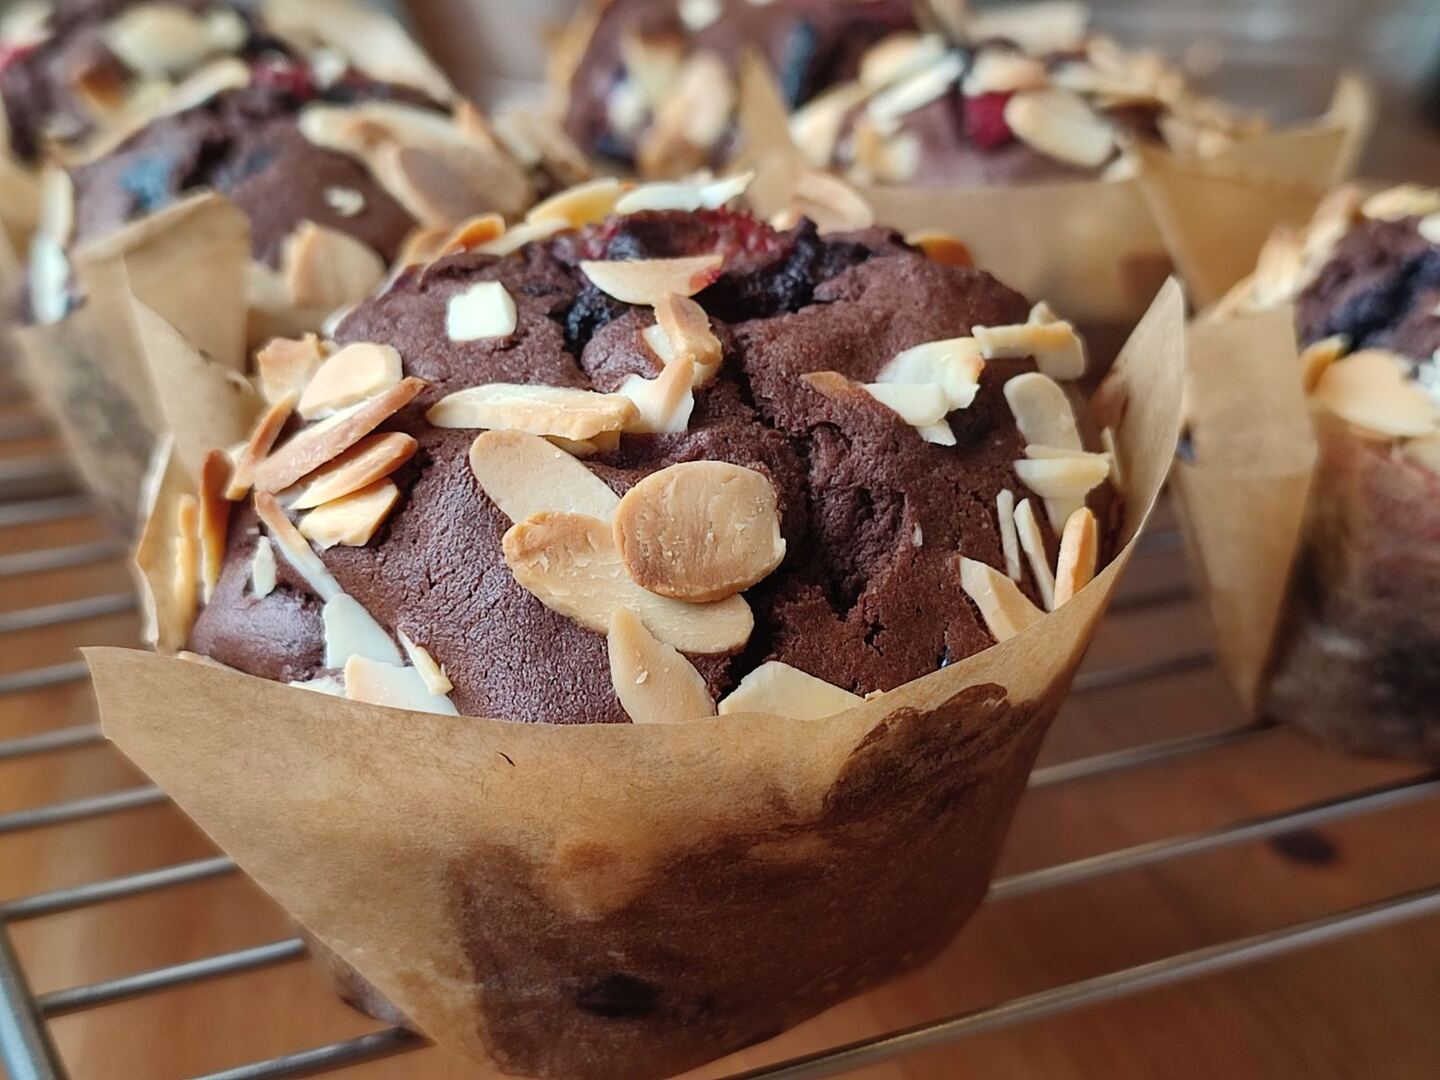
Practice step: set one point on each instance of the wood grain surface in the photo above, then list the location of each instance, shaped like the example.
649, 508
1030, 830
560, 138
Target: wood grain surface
1361, 1009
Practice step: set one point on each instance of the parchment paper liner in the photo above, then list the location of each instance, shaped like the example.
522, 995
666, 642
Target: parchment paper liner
1095, 249
1311, 542
626, 901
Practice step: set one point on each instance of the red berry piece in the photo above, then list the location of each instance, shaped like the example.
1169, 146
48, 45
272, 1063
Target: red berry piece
985, 120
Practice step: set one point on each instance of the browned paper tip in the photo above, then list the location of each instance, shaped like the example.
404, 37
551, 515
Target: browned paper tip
1245, 485
498, 882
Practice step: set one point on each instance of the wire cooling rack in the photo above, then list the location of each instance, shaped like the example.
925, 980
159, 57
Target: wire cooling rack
38, 489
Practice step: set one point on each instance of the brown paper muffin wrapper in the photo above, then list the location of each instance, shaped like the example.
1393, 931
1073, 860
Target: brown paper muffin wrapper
1316, 548
1095, 249
626, 901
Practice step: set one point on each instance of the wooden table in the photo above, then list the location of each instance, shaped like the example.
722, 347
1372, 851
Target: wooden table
1361, 1009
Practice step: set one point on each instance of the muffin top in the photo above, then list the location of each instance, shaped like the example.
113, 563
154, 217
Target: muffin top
1364, 277
654, 461
879, 93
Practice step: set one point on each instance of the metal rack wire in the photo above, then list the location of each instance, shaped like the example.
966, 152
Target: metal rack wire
29, 1053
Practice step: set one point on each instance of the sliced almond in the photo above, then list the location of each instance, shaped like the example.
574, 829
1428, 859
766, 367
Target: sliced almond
816, 127
1056, 347
831, 203
917, 90
664, 403
1009, 538
1063, 482
648, 281
539, 410
159, 40
955, 365
1042, 410
187, 558
287, 366
1111, 445
687, 329
571, 565
1079, 555
524, 476
655, 684
350, 630
353, 374
295, 549
484, 310
776, 689
375, 683
1402, 201
584, 204
353, 519
1032, 542
1061, 125
473, 234
1317, 357
440, 185
1005, 609
372, 458
1429, 227
267, 430
323, 443
1370, 390
214, 518
942, 247
514, 239
432, 674
919, 405
700, 531
999, 71
604, 443
897, 55
325, 269
1041, 314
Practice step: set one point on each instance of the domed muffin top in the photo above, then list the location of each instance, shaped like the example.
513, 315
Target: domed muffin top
651, 462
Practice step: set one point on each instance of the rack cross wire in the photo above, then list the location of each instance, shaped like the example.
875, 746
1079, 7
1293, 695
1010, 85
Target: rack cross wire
38, 490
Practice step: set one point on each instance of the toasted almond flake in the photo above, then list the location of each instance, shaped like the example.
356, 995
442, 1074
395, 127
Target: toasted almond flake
915, 91
662, 195
571, 565
187, 558
954, 364
422, 246
324, 442
350, 630
777, 689
832, 385
998, 71
352, 375
372, 458
659, 342
1032, 542
375, 683
582, 205
655, 684
1041, 314
295, 549
942, 247
815, 127
1430, 227
1370, 390
1424, 452
1056, 347
917, 536
1009, 538
664, 403
484, 310
267, 430
1059, 124
831, 203
1282, 270
524, 476
352, 519
1111, 445
1042, 411
1005, 609
604, 443
286, 366
431, 673
441, 185
214, 518
691, 118
649, 281
687, 330
1317, 357
264, 574
345, 201
474, 233
514, 239
941, 434
539, 410
159, 40
700, 531
325, 269
919, 405
1079, 555
898, 55
1402, 201
1063, 482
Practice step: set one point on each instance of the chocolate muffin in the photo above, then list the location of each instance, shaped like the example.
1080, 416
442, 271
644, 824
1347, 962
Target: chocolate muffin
1358, 662
881, 92
650, 465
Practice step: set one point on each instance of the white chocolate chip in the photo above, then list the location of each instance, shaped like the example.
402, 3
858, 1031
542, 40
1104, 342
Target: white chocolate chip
539, 410
484, 310
1005, 609
655, 684
350, 630
263, 572
345, 201
777, 689
354, 374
